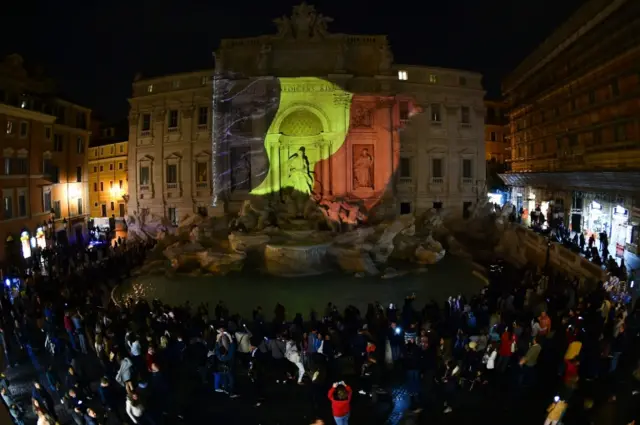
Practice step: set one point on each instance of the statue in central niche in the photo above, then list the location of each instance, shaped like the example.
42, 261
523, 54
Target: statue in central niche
299, 177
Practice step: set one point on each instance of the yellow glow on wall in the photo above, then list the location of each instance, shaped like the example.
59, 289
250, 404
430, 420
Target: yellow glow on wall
310, 125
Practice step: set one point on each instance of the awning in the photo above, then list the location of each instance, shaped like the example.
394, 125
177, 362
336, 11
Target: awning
603, 181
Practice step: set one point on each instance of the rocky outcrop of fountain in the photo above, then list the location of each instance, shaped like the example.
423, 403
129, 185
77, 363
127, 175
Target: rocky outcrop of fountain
295, 239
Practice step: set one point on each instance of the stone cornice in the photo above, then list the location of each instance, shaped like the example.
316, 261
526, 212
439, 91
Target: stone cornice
26, 114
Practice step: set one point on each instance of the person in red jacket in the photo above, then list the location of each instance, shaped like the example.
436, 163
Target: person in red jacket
340, 397
506, 350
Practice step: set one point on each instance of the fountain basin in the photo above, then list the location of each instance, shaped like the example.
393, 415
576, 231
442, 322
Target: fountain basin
296, 259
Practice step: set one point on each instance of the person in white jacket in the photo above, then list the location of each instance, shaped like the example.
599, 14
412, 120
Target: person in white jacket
135, 409
293, 355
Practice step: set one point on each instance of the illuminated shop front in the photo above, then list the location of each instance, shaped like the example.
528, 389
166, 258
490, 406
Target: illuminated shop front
597, 218
620, 229
25, 242
41, 238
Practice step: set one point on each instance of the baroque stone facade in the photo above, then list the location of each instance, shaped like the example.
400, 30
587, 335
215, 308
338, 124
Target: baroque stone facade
322, 113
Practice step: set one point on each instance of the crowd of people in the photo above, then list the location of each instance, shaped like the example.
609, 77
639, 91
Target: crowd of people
534, 335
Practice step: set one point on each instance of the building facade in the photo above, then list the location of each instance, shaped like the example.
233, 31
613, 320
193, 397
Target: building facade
574, 123
108, 180
496, 130
307, 111
44, 175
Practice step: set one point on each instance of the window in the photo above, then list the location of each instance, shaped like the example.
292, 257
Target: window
79, 206
24, 129
60, 113
22, 205
102, 168
592, 97
466, 169
405, 208
405, 167
10, 129
47, 133
110, 184
203, 116
462, 81
8, 207
621, 133
120, 184
113, 206
81, 120
121, 208
404, 111
95, 169
402, 75
110, 167
204, 80
433, 78
202, 173
615, 88
144, 176
465, 116
121, 148
172, 173
101, 186
78, 174
150, 88
175, 84
597, 136
104, 210
57, 211
7, 166
492, 136
58, 142
436, 168
173, 119
21, 166
435, 112
146, 122
80, 144
119, 165
173, 216
95, 186
46, 201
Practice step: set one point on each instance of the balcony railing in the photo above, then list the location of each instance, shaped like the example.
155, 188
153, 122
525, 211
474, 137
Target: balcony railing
437, 180
144, 187
172, 129
145, 133
405, 179
172, 185
202, 127
202, 185
467, 181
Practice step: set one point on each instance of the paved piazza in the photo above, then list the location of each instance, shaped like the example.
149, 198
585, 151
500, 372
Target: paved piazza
242, 292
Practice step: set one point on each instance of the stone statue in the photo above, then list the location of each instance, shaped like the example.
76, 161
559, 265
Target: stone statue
320, 26
263, 58
283, 25
386, 58
302, 20
299, 177
362, 170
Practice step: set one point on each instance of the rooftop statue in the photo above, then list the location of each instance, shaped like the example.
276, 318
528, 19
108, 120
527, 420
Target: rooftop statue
305, 23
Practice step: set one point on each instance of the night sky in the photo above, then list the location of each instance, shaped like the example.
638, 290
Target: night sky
94, 49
